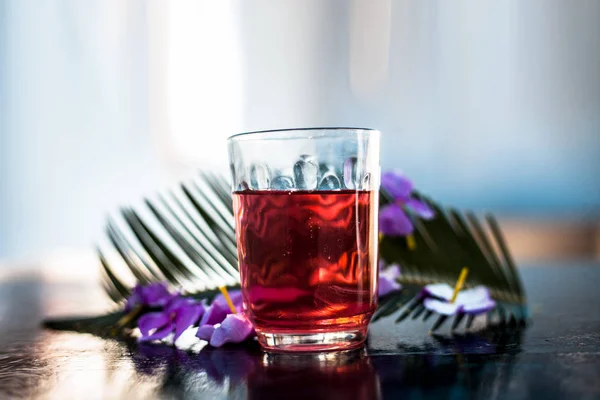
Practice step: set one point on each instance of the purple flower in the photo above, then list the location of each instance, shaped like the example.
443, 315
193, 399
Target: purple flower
205, 332
392, 217
219, 308
388, 279
470, 301
179, 314
234, 329
152, 295
219, 325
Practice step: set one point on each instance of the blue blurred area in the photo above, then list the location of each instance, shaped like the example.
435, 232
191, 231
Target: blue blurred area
486, 105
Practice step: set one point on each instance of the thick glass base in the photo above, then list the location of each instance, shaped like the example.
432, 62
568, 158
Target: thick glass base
313, 341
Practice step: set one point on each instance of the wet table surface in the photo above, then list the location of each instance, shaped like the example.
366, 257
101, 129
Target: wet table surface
556, 356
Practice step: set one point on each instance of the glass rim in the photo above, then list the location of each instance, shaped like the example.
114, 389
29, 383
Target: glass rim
288, 133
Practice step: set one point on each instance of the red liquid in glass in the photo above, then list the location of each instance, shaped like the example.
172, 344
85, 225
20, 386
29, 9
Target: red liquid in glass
307, 259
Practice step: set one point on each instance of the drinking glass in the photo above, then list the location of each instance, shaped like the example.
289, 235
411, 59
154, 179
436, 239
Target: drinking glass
305, 204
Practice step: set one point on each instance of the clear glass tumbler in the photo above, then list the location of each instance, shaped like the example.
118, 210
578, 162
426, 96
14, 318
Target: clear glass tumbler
305, 204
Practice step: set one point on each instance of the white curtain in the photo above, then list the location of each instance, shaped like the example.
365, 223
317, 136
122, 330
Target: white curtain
76, 139
485, 104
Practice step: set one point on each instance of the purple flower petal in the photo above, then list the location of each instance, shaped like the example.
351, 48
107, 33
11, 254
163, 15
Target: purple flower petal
215, 314
470, 301
387, 280
478, 308
154, 320
178, 302
438, 290
159, 334
133, 301
235, 329
476, 295
387, 286
394, 270
205, 332
155, 294
420, 208
394, 222
441, 307
234, 295
186, 317
137, 290
397, 185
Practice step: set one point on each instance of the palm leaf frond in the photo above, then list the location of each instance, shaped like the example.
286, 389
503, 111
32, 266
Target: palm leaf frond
444, 245
100, 325
199, 226
186, 237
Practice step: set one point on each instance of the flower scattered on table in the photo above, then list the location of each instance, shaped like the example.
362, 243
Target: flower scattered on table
151, 295
388, 279
179, 314
470, 301
216, 313
224, 321
236, 328
445, 300
393, 219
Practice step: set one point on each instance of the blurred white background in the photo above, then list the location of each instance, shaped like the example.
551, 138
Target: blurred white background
490, 105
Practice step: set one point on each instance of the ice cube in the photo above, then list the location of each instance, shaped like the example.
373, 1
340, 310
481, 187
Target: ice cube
309, 158
330, 181
282, 183
259, 176
243, 185
325, 168
352, 174
306, 172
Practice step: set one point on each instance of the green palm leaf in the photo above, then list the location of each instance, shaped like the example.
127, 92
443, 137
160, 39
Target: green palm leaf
200, 250
187, 238
444, 245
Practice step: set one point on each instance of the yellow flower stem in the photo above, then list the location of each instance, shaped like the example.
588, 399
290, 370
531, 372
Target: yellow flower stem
125, 319
223, 290
410, 242
459, 283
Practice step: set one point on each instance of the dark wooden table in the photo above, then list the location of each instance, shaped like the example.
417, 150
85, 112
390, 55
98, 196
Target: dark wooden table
557, 356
